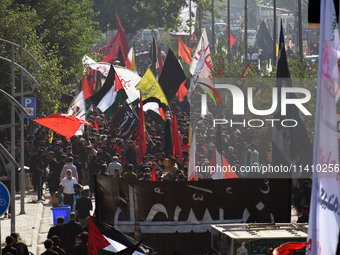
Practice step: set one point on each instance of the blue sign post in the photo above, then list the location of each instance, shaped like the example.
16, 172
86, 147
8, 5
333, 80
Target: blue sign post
30, 105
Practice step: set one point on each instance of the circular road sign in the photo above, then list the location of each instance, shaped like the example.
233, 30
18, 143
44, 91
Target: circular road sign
4, 198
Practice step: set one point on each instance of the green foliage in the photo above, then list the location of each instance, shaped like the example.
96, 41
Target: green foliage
57, 33
137, 14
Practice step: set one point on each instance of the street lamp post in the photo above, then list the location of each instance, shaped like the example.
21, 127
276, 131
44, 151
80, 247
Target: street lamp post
274, 33
245, 32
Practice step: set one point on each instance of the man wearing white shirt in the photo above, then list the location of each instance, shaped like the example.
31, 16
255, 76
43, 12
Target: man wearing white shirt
113, 166
69, 165
68, 183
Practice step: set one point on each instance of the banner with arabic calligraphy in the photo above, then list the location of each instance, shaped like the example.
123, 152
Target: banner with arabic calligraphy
167, 207
176, 216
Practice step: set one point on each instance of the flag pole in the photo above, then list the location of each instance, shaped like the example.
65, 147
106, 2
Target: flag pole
134, 113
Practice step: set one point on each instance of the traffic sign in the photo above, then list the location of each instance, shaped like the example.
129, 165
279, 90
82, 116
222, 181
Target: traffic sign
30, 105
193, 38
4, 198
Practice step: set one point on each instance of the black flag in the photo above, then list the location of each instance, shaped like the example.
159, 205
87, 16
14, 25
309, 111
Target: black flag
123, 123
291, 145
172, 76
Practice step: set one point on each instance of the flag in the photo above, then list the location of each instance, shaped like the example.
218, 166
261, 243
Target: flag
201, 67
110, 50
95, 124
130, 61
192, 175
149, 87
219, 68
184, 51
232, 38
288, 248
103, 68
121, 57
85, 86
153, 55
207, 69
218, 161
78, 108
121, 32
168, 145
290, 145
153, 176
108, 99
324, 217
129, 80
104, 240
264, 41
172, 76
66, 125
123, 123
176, 139
141, 133
161, 64
182, 91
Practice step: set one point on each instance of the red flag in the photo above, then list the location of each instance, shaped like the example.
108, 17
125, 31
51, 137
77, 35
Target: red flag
95, 124
112, 47
96, 240
219, 68
141, 133
118, 83
123, 36
66, 125
288, 248
182, 91
232, 38
86, 87
93, 81
184, 51
153, 176
176, 139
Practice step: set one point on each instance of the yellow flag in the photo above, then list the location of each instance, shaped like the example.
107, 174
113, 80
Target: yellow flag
149, 87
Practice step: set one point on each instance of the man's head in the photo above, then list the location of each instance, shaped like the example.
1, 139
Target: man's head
73, 216
130, 167
15, 237
60, 221
9, 240
48, 244
69, 174
55, 240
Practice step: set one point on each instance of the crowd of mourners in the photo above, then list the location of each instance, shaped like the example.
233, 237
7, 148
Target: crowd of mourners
56, 162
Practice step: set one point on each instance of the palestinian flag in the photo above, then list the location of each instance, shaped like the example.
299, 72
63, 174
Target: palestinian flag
104, 240
111, 95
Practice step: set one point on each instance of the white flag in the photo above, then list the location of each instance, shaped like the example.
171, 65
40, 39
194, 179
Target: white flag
192, 175
78, 108
324, 218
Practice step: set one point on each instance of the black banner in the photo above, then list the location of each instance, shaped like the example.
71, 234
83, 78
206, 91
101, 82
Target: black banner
167, 207
123, 123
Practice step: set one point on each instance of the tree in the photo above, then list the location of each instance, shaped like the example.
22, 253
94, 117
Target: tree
137, 14
57, 33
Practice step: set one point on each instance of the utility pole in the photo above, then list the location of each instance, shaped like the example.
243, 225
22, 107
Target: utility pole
228, 24
13, 144
22, 133
274, 33
300, 31
213, 26
245, 32
190, 17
